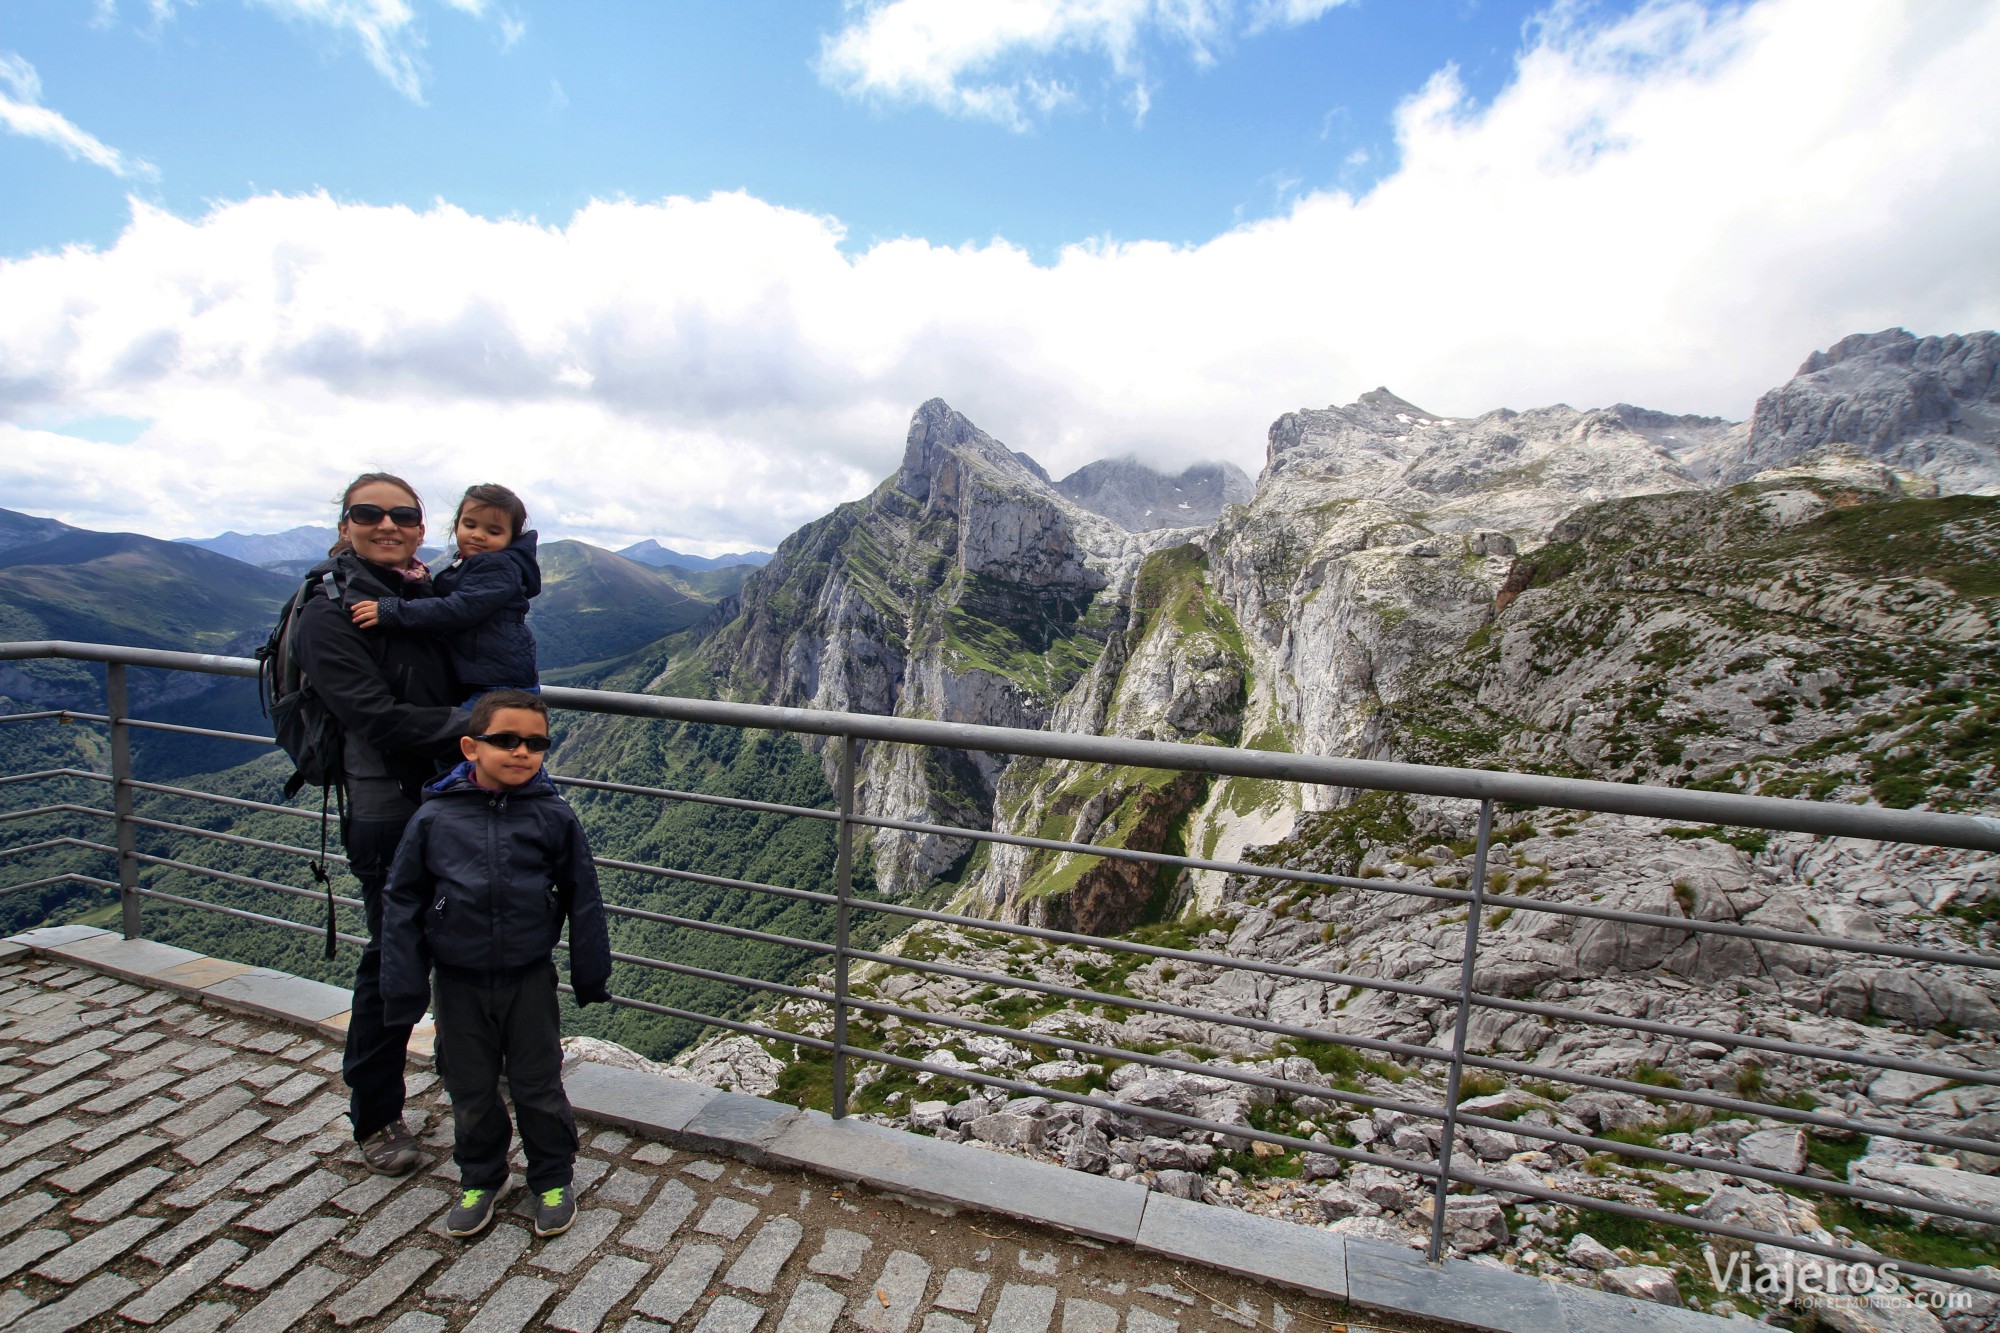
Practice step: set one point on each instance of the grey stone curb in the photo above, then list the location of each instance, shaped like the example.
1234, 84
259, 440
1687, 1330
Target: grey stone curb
1366, 1273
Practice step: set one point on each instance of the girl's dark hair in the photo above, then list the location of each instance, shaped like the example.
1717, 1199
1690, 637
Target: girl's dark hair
340, 543
489, 495
493, 701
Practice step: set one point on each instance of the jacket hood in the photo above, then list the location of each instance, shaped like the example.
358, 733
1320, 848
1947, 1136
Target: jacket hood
354, 572
460, 779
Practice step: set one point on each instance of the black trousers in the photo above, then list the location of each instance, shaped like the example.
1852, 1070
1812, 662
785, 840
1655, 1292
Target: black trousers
373, 1061
480, 1030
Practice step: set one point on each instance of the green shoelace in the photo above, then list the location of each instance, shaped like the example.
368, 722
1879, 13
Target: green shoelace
554, 1198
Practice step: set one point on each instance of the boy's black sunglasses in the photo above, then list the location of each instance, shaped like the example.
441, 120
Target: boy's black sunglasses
507, 740
404, 516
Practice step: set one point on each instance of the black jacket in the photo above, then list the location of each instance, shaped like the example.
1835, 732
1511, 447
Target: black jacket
481, 610
394, 694
480, 887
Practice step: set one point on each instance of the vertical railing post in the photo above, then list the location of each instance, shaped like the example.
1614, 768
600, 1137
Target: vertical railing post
117, 702
1474, 909
843, 880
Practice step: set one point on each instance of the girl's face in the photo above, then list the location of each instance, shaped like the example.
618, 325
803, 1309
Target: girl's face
482, 528
384, 542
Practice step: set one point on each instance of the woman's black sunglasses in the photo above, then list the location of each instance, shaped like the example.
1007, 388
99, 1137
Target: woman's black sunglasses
403, 516
507, 740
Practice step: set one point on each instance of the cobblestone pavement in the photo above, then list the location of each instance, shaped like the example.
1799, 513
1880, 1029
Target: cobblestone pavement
170, 1166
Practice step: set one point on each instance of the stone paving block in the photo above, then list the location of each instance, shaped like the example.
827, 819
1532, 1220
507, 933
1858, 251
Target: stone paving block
1023, 1309
1042, 1262
481, 1266
681, 1283
953, 1173
610, 1142
139, 1117
840, 1253
279, 995
215, 1104
608, 1282
590, 1230
280, 1170
17, 1212
891, 1302
295, 1089
295, 1202
1138, 1319
314, 1116
204, 1318
291, 1303
47, 1135
74, 1067
812, 1309
509, 1309
648, 1103
761, 1188
121, 1197
87, 1302
1389, 1277
120, 994
96, 1249
225, 1075
383, 1287
212, 1143
269, 1043
726, 1314
98, 1165
416, 1321
939, 1322
154, 1060
287, 1252
656, 1226
364, 1195
200, 1057
216, 1179
726, 1218
710, 1171
88, 1043
24, 1173
1083, 1316
166, 1295
27, 1248
404, 1214
963, 1290
1261, 1248
653, 1154
192, 1230
627, 1187
738, 1124
757, 1268
136, 1041
60, 1100
121, 1097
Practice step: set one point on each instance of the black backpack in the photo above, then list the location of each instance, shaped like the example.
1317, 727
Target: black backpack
306, 730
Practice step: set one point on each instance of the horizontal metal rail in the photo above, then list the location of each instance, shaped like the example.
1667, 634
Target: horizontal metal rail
1709, 808
245, 915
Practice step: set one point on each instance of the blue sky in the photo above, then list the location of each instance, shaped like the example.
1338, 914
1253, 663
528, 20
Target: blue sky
535, 109
683, 271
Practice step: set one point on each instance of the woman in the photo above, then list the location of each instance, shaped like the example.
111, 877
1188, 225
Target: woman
393, 695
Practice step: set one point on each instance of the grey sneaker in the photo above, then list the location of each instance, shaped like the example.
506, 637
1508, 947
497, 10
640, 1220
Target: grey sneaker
390, 1150
473, 1211
554, 1210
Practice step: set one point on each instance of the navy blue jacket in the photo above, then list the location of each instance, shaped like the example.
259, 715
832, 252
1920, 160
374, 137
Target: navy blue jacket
480, 887
481, 610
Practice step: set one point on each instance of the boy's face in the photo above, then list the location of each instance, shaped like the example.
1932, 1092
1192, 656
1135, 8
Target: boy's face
496, 768
482, 528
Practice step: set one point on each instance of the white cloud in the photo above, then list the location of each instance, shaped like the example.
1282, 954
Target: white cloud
991, 61
1671, 209
22, 113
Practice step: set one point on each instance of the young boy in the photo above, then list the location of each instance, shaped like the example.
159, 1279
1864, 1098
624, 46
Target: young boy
491, 865
481, 607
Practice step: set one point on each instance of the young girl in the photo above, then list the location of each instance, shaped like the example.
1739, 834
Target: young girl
481, 610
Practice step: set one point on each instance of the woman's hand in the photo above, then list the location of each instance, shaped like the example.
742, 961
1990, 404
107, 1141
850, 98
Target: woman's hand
364, 614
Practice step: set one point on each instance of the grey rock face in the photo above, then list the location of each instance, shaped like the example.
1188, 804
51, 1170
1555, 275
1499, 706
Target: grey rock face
1137, 497
1927, 405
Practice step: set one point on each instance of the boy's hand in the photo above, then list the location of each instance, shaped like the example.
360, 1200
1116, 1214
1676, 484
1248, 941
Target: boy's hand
592, 995
364, 614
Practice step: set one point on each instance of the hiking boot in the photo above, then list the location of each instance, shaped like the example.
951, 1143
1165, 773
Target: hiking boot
554, 1210
473, 1211
390, 1150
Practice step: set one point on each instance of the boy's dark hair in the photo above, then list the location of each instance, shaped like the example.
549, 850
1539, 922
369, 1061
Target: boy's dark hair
493, 701
491, 495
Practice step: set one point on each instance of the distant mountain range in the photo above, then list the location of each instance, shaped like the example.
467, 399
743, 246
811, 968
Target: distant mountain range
308, 543
650, 552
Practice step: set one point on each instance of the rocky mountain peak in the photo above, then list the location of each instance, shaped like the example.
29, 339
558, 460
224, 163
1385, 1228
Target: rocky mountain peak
1140, 498
943, 446
1925, 405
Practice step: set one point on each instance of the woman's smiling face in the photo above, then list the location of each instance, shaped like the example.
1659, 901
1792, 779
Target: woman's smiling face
383, 543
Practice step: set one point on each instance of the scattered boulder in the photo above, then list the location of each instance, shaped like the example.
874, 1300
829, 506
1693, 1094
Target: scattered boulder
734, 1064
1586, 1251
1473, 1223
1641, 1282
1774, 1150
1963, 1189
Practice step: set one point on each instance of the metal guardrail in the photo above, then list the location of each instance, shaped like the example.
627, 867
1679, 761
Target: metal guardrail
850, 730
